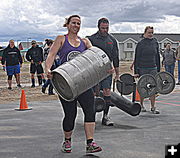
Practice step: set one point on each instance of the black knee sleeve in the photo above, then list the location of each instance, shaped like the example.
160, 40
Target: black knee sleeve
107, 99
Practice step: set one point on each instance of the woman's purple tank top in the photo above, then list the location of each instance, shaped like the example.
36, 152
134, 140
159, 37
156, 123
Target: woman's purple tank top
68, 52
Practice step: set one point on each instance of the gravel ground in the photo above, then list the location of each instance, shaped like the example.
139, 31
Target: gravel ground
34, 94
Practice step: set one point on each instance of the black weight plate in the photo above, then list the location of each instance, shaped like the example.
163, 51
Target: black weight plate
126, 84
100, 104
165, 82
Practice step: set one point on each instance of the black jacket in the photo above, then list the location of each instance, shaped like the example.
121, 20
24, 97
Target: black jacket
35, 54
11, 56
147, 55
108, 44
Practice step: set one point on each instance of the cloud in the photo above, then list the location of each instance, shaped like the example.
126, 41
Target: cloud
21, 19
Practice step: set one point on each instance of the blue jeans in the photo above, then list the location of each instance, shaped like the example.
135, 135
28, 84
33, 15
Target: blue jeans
48, 82
170, 68
178, 70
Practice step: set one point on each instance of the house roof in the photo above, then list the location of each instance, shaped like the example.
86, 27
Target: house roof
121, 37
28, 44
130, 39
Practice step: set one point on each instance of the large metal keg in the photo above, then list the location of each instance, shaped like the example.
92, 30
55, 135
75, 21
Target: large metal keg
81, 73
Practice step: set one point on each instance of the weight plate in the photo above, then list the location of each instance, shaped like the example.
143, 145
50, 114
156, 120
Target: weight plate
165, 82
126, 84
127, 78
100, 104
146, 86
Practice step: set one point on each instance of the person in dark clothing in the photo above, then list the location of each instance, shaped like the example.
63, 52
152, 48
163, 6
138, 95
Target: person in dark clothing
35, 56
103, 40
45, 44
12, 61
147, 61
55, 65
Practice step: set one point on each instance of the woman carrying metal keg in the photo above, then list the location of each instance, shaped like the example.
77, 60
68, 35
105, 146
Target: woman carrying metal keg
68, 46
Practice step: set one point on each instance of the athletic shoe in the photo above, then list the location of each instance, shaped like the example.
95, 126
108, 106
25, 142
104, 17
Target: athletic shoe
143, 109
10, 88
66, 147
178, 83
106, 121
155, 111
32, 86
19, 86
51, 94
93, 147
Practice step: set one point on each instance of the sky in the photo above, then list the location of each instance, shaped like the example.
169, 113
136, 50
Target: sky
26, 20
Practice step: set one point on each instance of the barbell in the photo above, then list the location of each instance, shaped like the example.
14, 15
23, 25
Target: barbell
147, 85
126, 84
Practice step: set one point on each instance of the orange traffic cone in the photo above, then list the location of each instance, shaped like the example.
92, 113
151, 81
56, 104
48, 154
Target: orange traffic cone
23, 103
137, 96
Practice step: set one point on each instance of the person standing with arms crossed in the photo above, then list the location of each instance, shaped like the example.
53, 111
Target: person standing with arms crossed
103, 40
67, 46
147, 61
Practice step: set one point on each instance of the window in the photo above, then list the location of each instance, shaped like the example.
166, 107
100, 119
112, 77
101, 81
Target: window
129, 45
128, 55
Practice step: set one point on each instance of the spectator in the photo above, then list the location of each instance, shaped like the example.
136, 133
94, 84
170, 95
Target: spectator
178, 59
103, 40
55, 65
169, 59
12, 61
147, 61
35, 56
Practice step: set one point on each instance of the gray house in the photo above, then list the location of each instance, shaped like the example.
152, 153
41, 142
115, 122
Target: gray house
128, 41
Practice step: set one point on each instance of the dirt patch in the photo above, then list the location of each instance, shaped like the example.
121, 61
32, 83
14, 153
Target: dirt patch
35, 94
32, 94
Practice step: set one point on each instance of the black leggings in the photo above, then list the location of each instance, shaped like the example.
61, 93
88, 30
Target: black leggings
86, 101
